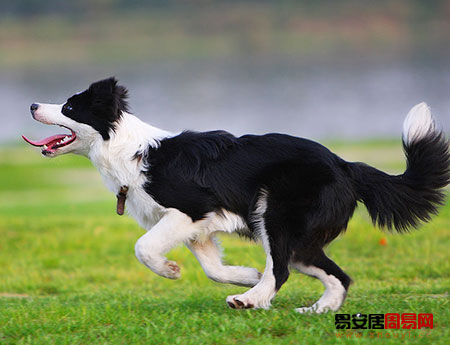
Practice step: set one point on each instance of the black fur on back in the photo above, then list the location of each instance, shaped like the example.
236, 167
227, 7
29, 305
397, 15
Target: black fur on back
199, 173
403, 201
100, 106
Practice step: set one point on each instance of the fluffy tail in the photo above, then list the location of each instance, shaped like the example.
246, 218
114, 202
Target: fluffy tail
403, 201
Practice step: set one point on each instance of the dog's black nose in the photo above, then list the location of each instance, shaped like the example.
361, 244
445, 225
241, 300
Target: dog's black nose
33, 107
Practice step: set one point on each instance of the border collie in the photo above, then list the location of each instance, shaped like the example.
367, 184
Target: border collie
292, 194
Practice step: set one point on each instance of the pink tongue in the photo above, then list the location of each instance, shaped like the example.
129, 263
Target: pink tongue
45, 141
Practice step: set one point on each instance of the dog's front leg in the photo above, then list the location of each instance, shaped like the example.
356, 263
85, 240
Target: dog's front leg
208, 253
173, 228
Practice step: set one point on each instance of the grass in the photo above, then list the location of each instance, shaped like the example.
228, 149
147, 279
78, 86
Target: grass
68, 274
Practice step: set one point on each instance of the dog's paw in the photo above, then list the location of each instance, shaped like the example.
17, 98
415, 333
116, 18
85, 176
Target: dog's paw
330, 301
246, 302
305, 310
317, 309
171, 270
239, 302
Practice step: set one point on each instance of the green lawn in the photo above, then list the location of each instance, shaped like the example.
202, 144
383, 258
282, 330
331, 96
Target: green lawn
68, 274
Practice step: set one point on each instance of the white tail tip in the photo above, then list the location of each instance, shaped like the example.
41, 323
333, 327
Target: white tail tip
418, 124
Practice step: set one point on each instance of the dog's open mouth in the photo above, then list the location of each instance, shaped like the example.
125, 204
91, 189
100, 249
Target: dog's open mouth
51, 144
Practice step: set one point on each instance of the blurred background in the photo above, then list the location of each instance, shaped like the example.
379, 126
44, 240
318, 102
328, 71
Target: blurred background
318, 69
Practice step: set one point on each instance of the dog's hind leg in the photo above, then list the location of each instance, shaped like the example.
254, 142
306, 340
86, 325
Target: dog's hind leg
275, 274
208, 253
335, 281
173, 228
276, 271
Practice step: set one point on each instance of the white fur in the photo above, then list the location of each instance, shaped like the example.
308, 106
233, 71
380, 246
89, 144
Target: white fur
262, 293
175, 228
418, 123
333, 296
208, 253
225, 221
114, 160
172, 229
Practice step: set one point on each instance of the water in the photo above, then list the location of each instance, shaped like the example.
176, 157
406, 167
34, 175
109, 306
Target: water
318, 101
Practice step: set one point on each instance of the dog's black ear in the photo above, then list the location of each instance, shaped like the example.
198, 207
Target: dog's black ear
103, 87
121, 95
108, 101
108, 94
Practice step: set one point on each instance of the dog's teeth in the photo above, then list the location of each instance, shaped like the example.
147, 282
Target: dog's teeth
45, 147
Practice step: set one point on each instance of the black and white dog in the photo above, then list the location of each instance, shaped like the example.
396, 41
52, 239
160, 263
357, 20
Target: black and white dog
292, 194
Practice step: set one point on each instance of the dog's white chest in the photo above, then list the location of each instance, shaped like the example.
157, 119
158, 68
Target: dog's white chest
117, 173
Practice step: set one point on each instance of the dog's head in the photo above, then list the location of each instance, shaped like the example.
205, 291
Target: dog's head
90, 115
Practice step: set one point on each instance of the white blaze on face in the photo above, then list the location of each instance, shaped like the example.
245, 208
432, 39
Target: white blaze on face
49, 114
78, 141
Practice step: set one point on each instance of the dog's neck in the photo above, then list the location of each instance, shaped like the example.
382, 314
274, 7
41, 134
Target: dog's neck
117, 159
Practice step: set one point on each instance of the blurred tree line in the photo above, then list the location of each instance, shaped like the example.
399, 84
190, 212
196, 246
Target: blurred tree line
140, 30
24, 8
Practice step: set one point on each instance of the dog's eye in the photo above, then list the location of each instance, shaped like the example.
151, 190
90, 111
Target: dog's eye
67, 107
